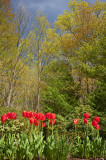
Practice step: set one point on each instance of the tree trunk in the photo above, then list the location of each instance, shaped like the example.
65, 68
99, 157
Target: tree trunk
87, 86
38, 92
9, 95
32, 103
38, 85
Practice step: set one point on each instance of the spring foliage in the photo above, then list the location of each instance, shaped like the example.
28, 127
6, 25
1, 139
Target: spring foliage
60, 69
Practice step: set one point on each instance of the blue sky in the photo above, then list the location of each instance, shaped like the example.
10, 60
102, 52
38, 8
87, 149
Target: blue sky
51, 8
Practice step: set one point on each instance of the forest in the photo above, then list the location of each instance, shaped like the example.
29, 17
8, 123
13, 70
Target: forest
57, 69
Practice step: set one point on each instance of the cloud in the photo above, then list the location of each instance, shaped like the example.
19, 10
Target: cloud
45, 3
52, 8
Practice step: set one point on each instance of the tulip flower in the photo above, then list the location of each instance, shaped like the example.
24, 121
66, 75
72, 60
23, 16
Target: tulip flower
86, 115
52, 122
48, 115
42, 117
38, 116
52, 116
98, 127
75, 121
3, 118
34, 115
36, 122
43, 125
28, 114
97, 119
31, 120
85, 120
24, 113
94, 123
11, 115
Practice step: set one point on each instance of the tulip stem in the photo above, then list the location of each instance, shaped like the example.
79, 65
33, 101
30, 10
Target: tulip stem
38, 129
28, 124
52, 130
98, 134
85, 139
48, 126
35, 129
24, 121
32, 128
42, 130
75, 130
87, 129
3, 129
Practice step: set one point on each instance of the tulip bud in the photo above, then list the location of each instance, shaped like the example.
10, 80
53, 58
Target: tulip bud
52, 116
9, 116
75, 121
42, 118
48, 115
86, 115
28, 114
24, 113
31, 120
85, 120
97, 119
13, 115
36, 122
98, 127
43, 125
52, 122
3, 118
94, 123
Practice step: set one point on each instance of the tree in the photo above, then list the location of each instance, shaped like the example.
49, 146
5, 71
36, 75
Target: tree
11, 48
23, 19
7, 46
60, 92
81, 26
42, 47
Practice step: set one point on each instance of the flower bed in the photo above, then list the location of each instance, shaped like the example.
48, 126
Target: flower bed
38, 140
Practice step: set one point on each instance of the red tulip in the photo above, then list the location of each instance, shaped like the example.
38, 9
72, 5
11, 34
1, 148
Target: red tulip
52, 122
3, 118
43, 125
75, 121
13, 115
36, 122
9, 115
52, 116
28, 114
31, 114
24, 113
38, 116
31, 120
42, 117
98, 127
94, 123
85, 120
86, 115
48, 115
34, 115
97, 119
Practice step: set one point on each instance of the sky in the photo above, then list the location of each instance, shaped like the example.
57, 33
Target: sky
51, 8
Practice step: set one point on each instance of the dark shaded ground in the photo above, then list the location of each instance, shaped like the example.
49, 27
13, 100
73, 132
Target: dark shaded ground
70, 158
